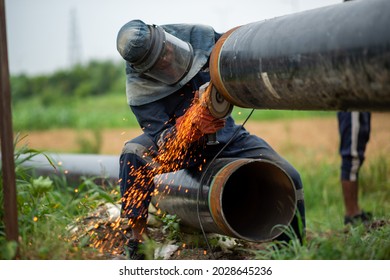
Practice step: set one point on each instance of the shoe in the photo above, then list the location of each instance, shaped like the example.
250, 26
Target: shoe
132, 250
362, 218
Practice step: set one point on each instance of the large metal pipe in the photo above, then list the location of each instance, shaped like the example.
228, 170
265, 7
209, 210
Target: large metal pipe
74, 166
250, 199
331, 58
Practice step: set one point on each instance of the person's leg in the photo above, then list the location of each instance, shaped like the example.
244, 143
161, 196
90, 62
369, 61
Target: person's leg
139, 229
354, 129
133, 245
350, 196
353, 213
136, 184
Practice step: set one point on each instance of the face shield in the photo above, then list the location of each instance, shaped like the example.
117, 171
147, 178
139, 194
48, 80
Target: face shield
168, 59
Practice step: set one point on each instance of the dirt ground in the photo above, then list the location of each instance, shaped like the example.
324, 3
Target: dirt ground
296, 140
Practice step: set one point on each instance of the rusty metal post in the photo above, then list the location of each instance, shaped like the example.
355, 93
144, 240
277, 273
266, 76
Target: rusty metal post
6, 137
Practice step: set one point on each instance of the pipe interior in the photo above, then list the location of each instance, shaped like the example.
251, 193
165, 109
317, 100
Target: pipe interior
258, 201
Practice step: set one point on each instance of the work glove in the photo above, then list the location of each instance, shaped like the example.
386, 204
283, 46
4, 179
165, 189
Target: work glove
197, 121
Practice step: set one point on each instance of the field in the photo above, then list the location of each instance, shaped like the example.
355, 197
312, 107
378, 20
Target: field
296, 139
84, 110
311, 145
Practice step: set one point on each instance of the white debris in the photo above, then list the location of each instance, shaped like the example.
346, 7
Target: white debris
226, 243
113, 211
165, 252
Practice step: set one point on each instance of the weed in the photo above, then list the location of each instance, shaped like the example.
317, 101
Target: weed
46, 207
171, 227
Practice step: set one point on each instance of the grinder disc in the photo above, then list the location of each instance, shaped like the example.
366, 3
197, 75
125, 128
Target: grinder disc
218, 105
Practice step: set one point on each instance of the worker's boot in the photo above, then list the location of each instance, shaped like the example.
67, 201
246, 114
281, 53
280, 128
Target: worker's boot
362, 218
133, 250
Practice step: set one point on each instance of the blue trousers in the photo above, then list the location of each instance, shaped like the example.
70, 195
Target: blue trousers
354, 129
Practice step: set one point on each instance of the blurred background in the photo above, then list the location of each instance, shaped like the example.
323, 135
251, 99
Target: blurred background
68, 80
45, 35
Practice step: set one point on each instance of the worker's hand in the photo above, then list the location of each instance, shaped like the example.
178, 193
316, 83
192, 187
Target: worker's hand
207, 123
198, 121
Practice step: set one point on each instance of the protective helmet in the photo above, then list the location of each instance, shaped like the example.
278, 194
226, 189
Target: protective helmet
153, 52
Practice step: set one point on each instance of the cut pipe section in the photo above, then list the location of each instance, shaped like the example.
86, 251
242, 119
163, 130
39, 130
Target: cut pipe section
73, 166
331, 58
250, 199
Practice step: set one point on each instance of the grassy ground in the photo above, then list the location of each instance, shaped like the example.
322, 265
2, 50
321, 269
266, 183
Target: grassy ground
48, 206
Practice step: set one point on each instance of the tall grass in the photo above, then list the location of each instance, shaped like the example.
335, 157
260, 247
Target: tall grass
108, 111
46, 206
327, 237
356, 243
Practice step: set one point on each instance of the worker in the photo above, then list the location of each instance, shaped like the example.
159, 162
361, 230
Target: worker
165, 67
354, 129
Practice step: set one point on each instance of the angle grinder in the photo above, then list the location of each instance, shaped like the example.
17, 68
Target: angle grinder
217, 105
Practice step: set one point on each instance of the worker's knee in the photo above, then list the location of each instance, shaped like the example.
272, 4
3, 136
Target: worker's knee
136, 149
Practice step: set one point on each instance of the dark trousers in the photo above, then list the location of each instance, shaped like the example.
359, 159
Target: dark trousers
354, 129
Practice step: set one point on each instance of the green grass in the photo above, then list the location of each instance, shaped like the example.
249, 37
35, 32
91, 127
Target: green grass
323, 194
356, 243
327, 237
108, 111
240, 114
47, 206
54, 204
111, 111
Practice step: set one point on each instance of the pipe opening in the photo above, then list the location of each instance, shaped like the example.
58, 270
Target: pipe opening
258, 201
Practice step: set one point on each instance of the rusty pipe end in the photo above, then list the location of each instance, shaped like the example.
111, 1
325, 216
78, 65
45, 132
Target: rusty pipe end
254, 200
215, 76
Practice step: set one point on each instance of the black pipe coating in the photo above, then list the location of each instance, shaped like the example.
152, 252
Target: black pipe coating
331, 58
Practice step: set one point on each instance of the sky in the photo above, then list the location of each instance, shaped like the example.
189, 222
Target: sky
47, 35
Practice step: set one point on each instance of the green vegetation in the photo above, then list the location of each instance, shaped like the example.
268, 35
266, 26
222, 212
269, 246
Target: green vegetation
171, 227
94, 79
108, 111
240, 114
93, 97
47, 206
